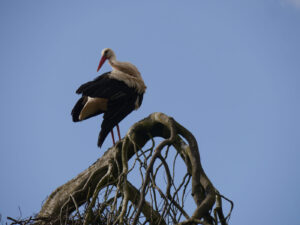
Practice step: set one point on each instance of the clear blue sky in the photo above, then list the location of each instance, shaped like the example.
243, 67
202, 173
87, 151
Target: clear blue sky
229, 71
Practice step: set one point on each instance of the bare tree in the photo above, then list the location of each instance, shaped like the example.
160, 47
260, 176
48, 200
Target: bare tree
155, 194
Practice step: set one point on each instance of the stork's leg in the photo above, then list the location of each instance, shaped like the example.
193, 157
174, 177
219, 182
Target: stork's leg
113, 137
119, 132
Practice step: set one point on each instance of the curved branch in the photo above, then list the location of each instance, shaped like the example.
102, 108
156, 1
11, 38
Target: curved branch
114, 162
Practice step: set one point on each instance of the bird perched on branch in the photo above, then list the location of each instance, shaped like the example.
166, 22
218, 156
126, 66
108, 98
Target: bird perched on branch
115, 94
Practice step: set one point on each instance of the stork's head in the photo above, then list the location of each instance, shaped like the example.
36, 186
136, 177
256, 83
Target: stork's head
106, 53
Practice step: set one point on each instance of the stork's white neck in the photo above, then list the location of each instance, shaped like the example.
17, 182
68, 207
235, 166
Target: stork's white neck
125, 67
128, 73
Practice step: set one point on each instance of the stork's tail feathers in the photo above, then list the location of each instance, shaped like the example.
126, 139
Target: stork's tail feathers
102, 135
100, 141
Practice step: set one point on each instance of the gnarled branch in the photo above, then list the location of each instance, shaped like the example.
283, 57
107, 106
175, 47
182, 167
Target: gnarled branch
112, 169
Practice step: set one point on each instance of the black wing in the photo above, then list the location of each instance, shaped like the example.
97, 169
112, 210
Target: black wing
77, 109
117, 110
89, 84
121, 100
104, 87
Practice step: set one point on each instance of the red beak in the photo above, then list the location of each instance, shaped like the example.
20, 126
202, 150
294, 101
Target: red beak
102, 60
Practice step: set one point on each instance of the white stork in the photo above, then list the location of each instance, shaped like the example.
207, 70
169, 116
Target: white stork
116, 94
